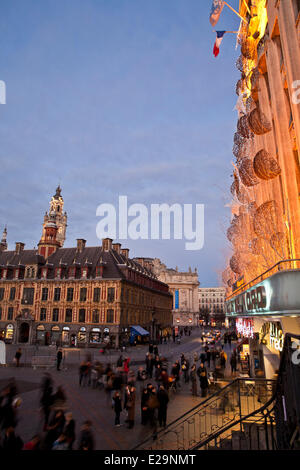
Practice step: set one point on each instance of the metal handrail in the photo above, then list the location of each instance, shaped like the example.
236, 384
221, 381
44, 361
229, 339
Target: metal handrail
235, 423
261, 277
196, 409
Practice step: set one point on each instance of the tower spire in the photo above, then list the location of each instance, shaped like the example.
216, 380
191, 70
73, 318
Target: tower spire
3, 244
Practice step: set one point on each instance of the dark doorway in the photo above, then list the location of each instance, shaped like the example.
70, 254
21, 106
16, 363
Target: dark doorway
24, 333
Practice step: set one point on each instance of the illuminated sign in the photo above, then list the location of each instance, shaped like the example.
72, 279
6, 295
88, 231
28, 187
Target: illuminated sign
272, 336
277, 295
244, 327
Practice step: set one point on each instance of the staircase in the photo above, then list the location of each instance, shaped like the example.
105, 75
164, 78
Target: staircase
246, 414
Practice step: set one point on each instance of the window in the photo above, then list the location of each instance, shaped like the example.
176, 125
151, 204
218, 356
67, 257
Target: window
12, 294
43, 314
68, 318
44, 294
57, 294
10, 313
1, 293
55, 314
82, 315
83, 291
70, 294
110, 294
28, 296
109, 316
95, 318
97, 293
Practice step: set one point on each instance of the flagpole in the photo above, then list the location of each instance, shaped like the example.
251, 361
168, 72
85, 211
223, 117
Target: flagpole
234, 11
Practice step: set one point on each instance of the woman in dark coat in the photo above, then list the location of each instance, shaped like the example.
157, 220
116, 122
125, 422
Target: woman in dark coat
144, 407
202, 374
69, 430
117, 404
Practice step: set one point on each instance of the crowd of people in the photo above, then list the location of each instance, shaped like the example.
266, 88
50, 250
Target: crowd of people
150, 388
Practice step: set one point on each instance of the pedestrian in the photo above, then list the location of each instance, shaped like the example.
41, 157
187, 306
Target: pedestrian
69, 430
18, 356
144, 407
82, 373
117, 405
86, 440
59, 357
120, 361
163, 400
202, 374
11, 442
126, 365
155, 350
149, 365
54, 429
193, 378
141, 377
233, 363
46, 399
208, 356
130, 406
150, 348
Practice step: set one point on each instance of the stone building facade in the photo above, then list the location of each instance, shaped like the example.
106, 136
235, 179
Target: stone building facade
184, 288
80, 296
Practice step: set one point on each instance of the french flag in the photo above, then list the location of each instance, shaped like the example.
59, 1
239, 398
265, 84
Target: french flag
219, 39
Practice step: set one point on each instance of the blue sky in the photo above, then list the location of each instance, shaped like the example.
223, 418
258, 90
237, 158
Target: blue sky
117, 97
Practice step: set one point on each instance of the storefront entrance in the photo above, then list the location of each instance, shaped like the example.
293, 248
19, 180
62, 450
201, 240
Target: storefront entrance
24, 333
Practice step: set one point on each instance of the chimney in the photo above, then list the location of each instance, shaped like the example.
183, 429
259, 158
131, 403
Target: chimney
19, 247
125, 252
117, 247
80, 244
141, 261
106, 244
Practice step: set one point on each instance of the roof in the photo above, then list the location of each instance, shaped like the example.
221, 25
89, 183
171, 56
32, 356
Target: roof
139, 330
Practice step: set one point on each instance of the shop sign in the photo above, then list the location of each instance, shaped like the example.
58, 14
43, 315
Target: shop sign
276, 336
272, 335
244, 327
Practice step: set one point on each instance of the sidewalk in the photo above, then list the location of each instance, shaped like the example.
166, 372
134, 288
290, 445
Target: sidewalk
73, 356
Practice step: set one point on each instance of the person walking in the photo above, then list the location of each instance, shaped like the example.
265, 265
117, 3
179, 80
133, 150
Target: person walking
86, 440
163, 400
208, 356
233, 363
18, 357
69, 430
193, 378
59, 357
144, 407
117, 405
131, 406
202, 374
46, 399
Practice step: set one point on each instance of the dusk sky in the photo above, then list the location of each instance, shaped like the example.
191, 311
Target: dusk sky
117, 97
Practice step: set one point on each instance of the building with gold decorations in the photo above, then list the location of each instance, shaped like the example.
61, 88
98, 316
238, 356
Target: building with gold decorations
263, 272
80, 296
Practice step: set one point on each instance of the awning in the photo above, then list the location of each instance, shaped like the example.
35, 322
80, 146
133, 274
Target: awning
138, 331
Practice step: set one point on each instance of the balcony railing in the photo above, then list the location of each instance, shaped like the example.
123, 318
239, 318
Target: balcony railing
284, 265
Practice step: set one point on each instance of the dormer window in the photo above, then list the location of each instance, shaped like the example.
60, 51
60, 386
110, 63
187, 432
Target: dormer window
84, 272
4, 273
44, 273
72, 272
58, 272
16, 273
99, 271
30, 272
